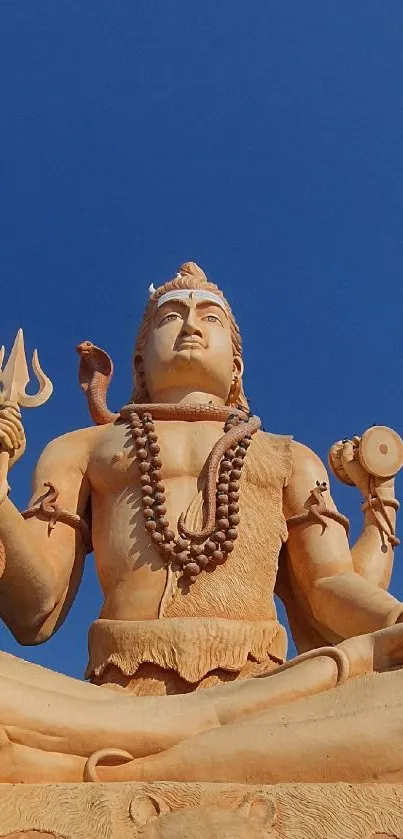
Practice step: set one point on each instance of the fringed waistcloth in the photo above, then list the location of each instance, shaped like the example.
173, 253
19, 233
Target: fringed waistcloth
180, 655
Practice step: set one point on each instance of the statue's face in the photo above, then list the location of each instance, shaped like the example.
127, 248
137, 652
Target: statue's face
189, 347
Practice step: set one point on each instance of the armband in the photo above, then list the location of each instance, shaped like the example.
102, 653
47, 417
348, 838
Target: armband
48, 509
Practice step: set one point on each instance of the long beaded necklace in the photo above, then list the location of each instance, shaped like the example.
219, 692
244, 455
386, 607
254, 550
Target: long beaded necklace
193, 555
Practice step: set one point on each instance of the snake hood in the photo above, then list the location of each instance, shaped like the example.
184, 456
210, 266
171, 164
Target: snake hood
95, 374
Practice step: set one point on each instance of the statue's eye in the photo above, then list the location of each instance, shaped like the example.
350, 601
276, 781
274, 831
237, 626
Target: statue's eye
212, 319
172, 316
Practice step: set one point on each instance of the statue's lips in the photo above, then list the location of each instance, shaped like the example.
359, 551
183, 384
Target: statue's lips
187, 344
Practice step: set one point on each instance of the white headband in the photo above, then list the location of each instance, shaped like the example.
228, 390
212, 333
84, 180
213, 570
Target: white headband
186, 293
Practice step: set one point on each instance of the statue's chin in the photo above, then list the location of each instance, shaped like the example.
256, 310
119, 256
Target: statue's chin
193, 360
193, 370
191, 352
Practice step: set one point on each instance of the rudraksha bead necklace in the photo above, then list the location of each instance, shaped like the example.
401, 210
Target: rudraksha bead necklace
190, 555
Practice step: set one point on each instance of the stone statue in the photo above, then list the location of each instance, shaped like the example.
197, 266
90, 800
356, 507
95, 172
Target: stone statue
196, 516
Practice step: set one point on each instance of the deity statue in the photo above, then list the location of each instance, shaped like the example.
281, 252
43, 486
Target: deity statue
196, 517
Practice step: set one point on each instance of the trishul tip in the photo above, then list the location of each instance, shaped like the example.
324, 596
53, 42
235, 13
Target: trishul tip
15, 376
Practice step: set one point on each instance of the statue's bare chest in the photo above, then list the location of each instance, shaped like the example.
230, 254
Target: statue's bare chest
184, 450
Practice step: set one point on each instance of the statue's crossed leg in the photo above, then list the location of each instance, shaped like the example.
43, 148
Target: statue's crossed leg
258, 730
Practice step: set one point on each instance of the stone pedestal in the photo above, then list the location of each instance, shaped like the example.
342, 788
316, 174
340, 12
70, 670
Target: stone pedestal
201, 811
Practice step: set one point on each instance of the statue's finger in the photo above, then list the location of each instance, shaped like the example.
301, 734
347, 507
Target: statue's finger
348, 452
13, 411
6, 443
12, 432
11, 414
8, 426
12, 444
12, 420
8, 403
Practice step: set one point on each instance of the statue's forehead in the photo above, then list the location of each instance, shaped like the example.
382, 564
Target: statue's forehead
183, 294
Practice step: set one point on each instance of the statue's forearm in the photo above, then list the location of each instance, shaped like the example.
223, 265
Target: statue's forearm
372, 553
350, 605
27, 586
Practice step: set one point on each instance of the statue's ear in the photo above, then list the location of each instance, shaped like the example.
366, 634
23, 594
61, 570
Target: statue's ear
144, 808
238, 367
259, 807
138, 365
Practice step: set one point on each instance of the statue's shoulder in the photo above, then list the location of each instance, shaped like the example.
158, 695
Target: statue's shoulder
302, 454
267, 440
298, 460
307, 468
75, 444
270, 457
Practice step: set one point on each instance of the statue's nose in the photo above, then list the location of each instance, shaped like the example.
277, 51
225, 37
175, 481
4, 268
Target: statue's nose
191, 325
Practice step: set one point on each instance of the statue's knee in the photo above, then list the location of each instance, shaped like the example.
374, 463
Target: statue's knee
360, 654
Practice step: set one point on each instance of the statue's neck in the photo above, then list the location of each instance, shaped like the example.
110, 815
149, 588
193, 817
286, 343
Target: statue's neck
180, 396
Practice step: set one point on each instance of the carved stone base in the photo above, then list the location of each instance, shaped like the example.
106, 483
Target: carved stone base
201, 811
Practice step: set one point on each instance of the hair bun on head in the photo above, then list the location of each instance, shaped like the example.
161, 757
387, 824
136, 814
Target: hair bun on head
191, 269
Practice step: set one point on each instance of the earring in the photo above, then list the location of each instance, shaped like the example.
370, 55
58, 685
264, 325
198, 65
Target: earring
234, 391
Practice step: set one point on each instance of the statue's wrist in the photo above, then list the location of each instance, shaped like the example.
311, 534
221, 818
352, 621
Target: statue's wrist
395, 616
385, 487
380, 510
4, 490
374, 503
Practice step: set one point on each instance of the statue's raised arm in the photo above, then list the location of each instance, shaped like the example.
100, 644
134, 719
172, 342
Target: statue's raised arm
317, 572
40, 566
371, 463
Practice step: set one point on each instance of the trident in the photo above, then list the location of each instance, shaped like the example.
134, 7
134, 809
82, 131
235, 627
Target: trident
13, 381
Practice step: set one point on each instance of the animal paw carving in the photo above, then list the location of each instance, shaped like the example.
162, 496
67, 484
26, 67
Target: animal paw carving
251, 819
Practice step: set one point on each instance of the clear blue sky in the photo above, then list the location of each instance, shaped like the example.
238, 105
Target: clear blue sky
262, 140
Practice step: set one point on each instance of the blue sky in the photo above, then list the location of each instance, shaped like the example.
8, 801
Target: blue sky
262, 140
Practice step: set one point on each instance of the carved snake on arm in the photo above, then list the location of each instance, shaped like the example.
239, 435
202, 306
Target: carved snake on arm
318, 510
53, 512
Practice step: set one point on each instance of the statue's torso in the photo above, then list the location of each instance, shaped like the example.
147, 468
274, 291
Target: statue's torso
132, 573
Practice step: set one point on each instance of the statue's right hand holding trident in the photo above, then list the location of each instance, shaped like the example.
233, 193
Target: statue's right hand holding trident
12, 434
13, 381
